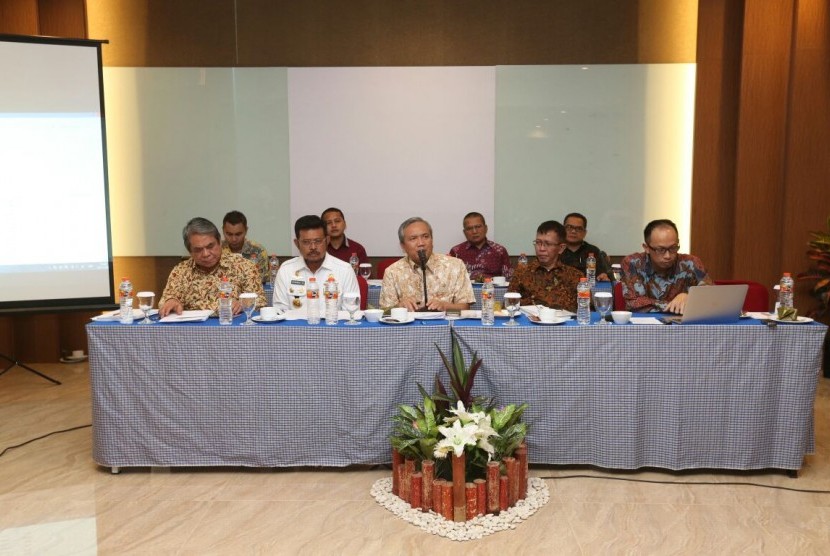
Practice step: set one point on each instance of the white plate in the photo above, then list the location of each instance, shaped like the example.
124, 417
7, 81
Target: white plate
390, 320
73, 359
259, 319
801, 320
558, 320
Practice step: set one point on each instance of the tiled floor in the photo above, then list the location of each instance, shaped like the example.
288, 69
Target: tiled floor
55, 500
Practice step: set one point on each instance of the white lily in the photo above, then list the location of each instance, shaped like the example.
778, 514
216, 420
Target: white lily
456, 438
461, 412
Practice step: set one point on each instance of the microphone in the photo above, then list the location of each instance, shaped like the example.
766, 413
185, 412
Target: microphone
422, 258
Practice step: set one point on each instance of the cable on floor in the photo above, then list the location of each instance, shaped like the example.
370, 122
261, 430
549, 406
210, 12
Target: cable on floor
6, 449
716, 483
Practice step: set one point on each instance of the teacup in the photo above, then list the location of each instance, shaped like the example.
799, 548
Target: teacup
77, 353
546, 314
400, 314
268, 313
499, 280
373, 315
621, 317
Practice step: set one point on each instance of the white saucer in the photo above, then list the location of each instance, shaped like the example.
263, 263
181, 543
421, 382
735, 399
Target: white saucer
71, 359
390, 320
557, 320
261, 320
801, 320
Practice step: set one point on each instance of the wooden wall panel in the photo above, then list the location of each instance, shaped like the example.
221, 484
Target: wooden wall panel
62, 18
18, 17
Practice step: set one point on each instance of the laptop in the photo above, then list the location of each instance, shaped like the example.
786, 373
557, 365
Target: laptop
713, 304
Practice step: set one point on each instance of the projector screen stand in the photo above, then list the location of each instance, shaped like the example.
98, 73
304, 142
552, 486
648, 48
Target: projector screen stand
14, 362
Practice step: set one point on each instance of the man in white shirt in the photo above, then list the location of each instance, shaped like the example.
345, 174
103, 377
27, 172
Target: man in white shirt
293, 275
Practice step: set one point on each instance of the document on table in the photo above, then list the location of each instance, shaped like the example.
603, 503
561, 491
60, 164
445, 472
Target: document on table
645, 320
188, 316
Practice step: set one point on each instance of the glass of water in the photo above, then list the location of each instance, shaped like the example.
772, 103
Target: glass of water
145, 303
351, 303
602, 303
365, 270
512, 302
248, 302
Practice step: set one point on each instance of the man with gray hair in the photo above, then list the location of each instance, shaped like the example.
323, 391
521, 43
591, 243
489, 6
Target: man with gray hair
194, 284
448, 285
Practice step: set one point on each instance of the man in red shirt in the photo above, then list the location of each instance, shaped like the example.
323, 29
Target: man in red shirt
339, 245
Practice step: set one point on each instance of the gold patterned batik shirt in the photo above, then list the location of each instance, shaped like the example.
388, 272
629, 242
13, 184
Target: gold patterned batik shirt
196, 289
447, 280
256, 253
553, 288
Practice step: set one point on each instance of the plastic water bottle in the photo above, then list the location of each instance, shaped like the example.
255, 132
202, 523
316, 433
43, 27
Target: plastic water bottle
225, 301
583, 302
312, 293
355, 262
273, 267
785, 291
125, 290
331, 292
522, 260
488, 299
591, 270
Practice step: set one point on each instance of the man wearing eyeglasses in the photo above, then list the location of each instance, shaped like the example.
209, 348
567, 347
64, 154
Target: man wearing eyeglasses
659, 278
194, 284
577, 249
292, 277
546, 280
484, 258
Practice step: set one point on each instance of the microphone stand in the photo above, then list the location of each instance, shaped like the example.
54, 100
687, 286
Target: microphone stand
422, 257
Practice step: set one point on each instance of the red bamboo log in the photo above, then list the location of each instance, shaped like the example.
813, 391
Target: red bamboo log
481, 496
521, 459
446, 500
437, 505
415, 491
492, 487
504, 490
397, 468
406, 479
459, 498
512, 479
471, 498
428, 472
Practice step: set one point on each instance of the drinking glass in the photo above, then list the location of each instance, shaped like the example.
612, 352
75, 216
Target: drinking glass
351, 303
602, 303
512, 302
365, 270
248, 302
145, 303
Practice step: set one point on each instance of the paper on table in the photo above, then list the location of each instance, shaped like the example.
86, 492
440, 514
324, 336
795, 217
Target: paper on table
759, 315
428, 315
188, 316
302, 314
533, 310
645, 320
116, 315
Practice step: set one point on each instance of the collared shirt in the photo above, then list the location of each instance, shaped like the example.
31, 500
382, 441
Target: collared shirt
578, 259
199, 290
447, 280
293, 275
646, 290
491, 260
553, 288
349, 246
254, 252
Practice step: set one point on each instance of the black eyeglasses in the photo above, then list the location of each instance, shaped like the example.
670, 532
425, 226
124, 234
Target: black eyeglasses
571, 228
663, 250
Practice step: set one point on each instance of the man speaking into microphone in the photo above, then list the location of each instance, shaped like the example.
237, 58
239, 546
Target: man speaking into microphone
447, 286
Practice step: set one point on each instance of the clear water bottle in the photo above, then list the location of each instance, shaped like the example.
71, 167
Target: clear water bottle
591, 270
225, 301
488, 300
125, 291
355, 262
273, 267
312, 293
332, 293
785, 291
583, 302
522, 259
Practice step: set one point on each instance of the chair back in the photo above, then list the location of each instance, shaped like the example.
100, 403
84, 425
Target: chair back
364, 291
757, 296
384, 264
619, 301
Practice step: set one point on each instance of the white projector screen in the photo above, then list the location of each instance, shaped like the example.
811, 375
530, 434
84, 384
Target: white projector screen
55, 228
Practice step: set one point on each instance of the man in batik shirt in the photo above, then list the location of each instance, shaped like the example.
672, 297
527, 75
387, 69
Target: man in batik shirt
194, 284
448, 283
546, 280
659, 278
484, 258
235, 230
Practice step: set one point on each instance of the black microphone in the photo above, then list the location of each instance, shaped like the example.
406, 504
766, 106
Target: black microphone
422, 257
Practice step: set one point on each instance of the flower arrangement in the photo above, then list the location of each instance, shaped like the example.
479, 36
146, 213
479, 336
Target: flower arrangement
459, 438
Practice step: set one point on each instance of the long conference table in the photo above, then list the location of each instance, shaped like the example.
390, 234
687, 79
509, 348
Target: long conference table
286, 394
